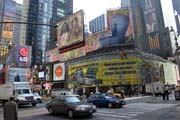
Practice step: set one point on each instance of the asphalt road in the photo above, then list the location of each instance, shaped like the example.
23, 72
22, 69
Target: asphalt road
136, 109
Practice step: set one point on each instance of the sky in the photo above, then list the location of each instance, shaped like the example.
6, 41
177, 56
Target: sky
94, 8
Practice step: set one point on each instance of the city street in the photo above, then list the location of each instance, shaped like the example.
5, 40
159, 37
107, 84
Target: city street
144, 108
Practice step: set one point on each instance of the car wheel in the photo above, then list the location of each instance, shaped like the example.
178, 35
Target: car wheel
70, 114
120, 105
34, 104
109, 105
51, 111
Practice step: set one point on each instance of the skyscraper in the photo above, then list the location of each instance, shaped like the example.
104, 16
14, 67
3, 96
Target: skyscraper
47, 12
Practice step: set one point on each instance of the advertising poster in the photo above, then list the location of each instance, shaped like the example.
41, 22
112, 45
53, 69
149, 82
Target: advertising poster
53, 55
79, 52
71, 30
115, 18
59, 72
105, 72
150, 15
7, 29
119, 22
92, 43
17, 75
20, 55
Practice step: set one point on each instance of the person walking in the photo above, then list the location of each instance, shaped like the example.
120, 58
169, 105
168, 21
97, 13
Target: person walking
10, 110
167, 92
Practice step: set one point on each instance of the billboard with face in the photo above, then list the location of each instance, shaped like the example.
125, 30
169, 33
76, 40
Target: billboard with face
120, 24
150, 16
70, 30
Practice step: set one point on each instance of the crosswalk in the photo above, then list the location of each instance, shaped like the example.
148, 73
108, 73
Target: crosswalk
130, 111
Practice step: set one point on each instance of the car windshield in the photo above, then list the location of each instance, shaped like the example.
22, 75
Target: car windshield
23, 91
36, 94
72, 99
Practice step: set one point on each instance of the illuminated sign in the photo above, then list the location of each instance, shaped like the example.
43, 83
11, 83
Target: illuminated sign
23, 54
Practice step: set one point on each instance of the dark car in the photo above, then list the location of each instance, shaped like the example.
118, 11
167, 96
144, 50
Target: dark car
71, 106
105, 100
177, 92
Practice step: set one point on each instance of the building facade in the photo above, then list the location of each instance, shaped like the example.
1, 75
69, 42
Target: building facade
98, 24
152, 20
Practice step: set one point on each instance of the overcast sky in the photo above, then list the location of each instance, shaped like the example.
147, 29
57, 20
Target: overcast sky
94, 8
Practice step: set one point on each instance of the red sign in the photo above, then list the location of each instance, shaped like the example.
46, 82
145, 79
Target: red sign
24, 52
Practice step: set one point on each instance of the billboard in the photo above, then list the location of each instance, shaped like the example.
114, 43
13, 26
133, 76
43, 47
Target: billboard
20, 55
115, 18
59, 72
17, 75
105, 71
150, 16
71, 31
119, 23
7, 28
54, 55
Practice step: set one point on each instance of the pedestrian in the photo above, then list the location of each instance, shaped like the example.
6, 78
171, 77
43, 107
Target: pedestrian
122, 93
167, 92
10, 110
163, 93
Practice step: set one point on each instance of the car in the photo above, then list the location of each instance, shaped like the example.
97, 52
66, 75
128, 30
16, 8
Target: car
177, 92
71, 106
105, 100
56, 93
37, 97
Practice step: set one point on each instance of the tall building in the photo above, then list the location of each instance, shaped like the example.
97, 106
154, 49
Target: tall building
152, 21
47, 12
177, 14
125, 3
13, 11
98, 24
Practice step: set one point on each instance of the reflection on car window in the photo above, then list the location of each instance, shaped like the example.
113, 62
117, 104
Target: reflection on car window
72, 99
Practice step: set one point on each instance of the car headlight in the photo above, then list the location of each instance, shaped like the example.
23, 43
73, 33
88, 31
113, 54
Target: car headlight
94, 107
117, 101
80, 108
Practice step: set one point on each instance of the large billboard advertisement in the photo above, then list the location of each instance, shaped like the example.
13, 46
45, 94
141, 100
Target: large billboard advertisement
119, 22
17, 75
20, 55
71, 31
59, 72
7, 29
54, 55
105, 72
150, 16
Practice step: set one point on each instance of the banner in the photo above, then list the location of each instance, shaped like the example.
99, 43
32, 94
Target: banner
105, 72
150, 16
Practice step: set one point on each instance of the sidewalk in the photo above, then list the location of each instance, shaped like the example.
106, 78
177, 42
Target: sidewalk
159, 99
